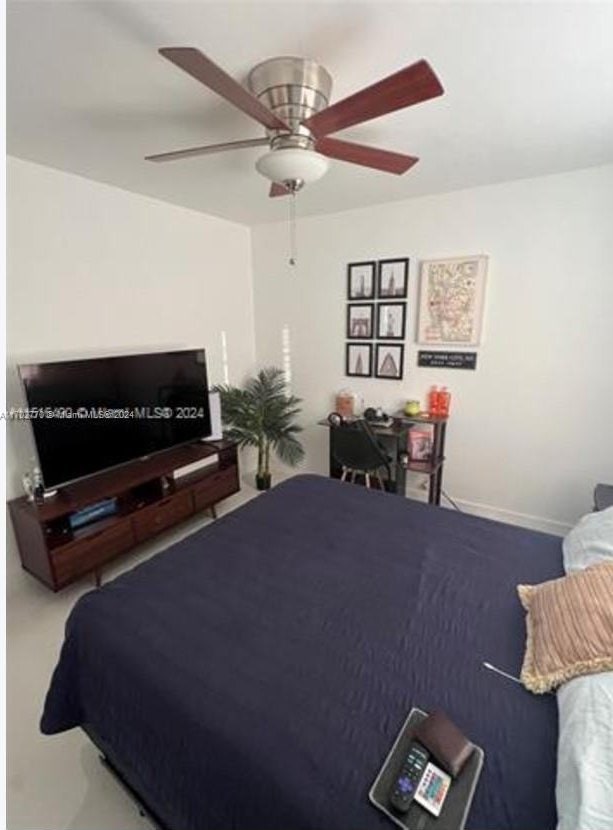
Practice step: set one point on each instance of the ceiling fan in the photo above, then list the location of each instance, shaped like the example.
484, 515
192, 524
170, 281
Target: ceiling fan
290, 98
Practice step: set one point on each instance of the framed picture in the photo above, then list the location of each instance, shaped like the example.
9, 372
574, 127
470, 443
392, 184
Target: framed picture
391, 318
389, 361
451, 301
393, 278
420, 444
358, 361
361, 280
360, 321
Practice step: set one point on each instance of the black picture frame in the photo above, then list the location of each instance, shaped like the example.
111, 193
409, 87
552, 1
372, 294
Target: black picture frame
381, 310
391, 349
369, 269
348, 349
362, 333
398, 294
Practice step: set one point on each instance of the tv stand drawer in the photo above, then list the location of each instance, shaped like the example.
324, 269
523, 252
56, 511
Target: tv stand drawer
152, 520
215, 487
84, 555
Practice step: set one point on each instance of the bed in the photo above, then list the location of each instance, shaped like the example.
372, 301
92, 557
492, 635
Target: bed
254, 675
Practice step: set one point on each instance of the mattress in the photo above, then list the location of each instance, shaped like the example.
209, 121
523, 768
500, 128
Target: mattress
254, 675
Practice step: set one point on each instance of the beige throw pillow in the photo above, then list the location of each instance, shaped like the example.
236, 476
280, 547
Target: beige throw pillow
570, 627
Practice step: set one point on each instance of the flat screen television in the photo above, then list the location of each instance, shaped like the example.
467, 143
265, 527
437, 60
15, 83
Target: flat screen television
89, 415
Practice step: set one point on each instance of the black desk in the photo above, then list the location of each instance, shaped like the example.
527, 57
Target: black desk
395, 440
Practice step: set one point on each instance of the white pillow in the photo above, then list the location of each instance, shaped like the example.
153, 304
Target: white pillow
590, 541
584, 786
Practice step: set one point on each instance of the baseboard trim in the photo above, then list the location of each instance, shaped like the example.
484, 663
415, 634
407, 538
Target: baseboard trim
489, 511
486, 511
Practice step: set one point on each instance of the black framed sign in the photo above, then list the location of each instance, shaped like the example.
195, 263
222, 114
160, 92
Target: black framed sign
360, 321
448, 360
391, 321
389, 361
358, 360
361, 280
393, 279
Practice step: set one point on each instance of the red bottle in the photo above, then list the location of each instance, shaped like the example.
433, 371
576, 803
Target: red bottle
433, 401
444, 402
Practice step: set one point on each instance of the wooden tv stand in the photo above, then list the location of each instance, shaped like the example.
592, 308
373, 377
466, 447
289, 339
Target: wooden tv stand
149, 501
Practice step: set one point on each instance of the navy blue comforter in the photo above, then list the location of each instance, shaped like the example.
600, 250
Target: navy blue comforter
255, 675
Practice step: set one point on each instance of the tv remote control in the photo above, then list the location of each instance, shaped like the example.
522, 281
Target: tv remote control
407, 781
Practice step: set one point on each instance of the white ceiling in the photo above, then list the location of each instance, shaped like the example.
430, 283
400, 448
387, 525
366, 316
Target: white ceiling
529, 91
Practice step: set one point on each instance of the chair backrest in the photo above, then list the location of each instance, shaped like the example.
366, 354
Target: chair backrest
355, 446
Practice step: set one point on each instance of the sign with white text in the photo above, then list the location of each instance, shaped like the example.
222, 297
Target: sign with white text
448, 360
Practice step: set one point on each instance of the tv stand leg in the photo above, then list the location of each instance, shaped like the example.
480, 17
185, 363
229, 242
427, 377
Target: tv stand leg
213, 511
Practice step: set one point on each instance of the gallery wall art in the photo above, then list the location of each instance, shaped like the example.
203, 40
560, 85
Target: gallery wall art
360, 321
451, 301
389, 361
361, 280
386, 283
358, 360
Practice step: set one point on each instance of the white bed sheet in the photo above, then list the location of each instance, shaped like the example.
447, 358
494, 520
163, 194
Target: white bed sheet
584, 788
589, 542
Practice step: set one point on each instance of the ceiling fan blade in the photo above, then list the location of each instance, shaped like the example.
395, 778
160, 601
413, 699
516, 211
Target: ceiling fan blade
209, 148
278, 189
385, 160
208, 73
410, 85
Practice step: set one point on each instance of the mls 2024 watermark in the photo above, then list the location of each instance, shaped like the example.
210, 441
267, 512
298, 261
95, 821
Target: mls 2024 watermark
101, 412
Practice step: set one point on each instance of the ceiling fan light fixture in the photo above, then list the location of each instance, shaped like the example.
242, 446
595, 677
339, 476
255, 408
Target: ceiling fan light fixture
292, 164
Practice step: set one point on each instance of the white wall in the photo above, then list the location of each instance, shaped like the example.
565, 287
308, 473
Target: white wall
96, 270
531, 430
93, 269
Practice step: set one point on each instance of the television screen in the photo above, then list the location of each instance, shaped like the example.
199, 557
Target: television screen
88, 415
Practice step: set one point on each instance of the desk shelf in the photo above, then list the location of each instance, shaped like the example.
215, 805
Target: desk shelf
427, 468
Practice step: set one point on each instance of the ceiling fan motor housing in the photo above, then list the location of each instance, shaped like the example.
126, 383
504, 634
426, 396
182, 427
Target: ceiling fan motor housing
294, 89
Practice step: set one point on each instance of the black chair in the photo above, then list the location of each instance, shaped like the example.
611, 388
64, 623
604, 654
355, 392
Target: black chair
356, 450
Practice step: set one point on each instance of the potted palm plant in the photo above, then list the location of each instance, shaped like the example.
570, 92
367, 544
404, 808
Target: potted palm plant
262, 415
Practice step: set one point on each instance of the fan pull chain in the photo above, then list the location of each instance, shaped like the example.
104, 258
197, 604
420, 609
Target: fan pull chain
293, 253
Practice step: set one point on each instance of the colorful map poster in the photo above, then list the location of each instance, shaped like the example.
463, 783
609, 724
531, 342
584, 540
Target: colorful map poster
451, 300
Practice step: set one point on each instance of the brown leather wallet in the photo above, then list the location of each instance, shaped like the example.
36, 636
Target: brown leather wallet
444, 740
